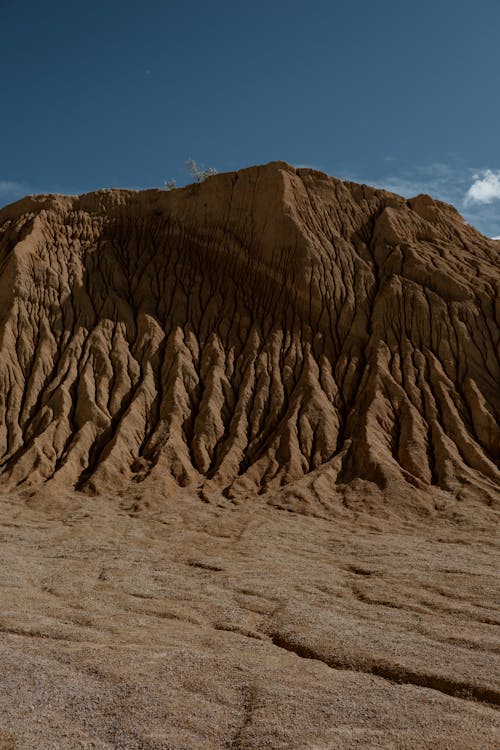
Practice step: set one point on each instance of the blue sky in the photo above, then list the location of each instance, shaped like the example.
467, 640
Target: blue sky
115, 93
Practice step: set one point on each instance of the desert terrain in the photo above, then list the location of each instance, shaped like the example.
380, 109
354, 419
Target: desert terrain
249, 486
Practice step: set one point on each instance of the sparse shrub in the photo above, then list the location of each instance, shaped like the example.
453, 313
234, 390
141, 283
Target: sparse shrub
198, 172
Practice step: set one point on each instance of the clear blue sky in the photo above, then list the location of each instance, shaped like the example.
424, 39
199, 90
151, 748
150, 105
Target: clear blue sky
115, 93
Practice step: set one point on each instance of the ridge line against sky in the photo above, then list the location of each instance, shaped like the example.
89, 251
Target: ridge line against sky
474, 193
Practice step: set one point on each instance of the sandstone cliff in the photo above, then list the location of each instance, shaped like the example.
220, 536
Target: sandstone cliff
265, 326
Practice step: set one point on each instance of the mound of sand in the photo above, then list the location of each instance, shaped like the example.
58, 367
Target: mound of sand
246, 332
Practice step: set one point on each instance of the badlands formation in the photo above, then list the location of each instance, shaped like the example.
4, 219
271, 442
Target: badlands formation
249, 483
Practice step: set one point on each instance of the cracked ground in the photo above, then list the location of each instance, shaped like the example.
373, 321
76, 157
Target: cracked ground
223, 627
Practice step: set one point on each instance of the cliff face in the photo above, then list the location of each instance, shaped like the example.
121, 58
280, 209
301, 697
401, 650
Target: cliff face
246, 332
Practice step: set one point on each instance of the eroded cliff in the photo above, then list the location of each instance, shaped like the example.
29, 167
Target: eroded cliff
264, 326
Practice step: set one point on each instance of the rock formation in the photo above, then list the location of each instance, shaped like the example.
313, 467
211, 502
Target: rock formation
319, 362
239, 335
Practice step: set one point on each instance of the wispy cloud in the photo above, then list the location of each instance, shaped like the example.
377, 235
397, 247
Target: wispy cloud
473, 192
439, 180
309, 166
7, 186
11, 191
484, 189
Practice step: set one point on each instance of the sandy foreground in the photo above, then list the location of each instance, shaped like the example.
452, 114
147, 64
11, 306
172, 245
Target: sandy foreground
194, 626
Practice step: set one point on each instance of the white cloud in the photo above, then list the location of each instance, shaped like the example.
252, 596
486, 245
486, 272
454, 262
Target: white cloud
495, 238
484, 189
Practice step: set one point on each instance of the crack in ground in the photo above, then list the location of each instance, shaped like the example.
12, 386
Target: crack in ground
397, 675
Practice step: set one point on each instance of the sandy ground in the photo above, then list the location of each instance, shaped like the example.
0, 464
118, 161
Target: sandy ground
194, 626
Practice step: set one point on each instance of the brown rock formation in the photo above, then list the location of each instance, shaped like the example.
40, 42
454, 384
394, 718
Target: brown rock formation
273, 332
246, 332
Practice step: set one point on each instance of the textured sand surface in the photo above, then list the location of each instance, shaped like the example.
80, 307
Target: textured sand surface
249, 484
205, 627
